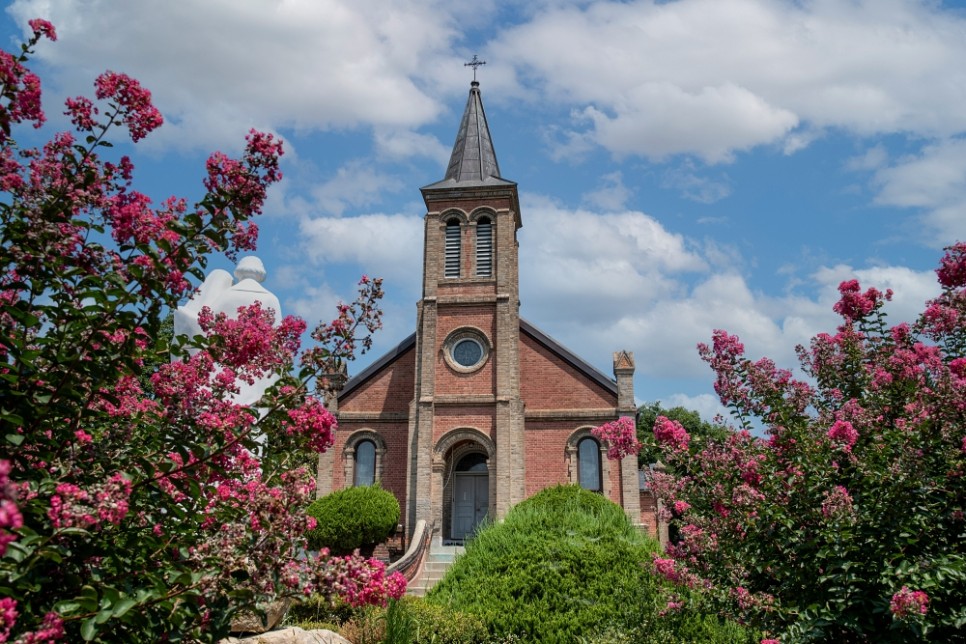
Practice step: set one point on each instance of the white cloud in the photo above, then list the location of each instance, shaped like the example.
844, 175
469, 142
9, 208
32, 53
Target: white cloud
695, 187
403, 144
933, 180
712, 77
622, 281
219, 67
662, 119
388, 246
612, 194
355, 184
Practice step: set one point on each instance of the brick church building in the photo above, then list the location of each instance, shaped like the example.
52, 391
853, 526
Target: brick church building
478, 409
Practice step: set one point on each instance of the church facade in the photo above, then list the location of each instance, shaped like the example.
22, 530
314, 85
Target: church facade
478, 409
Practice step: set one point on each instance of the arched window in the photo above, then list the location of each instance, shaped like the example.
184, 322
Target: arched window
484, 247
588, 465
365, 463
452, 249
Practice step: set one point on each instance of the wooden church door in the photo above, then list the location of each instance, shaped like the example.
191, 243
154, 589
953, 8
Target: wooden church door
471, 495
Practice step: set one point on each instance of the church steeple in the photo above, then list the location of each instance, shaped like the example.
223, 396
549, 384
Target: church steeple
473, 161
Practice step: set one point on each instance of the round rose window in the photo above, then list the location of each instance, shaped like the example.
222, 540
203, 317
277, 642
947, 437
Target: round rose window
466, 349
467, 352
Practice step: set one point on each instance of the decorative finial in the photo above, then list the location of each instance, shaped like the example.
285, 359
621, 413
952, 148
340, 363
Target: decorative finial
476, 62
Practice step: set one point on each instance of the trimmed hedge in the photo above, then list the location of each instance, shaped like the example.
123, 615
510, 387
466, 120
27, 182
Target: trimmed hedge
356, 517
567, 565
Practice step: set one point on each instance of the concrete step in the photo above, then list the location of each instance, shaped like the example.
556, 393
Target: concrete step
438, 561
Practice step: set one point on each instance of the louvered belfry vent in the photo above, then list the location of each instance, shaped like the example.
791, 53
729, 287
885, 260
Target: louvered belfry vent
484, 248
452, 268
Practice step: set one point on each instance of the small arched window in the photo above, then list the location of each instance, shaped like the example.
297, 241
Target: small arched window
484, 247
365, 465
452, 249
588, 465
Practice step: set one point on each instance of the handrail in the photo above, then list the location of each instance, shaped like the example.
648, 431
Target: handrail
411, 560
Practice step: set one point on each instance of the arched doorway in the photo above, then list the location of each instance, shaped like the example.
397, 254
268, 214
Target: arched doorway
471, 495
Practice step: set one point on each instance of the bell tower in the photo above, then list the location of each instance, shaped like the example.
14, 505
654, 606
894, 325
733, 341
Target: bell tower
467, 412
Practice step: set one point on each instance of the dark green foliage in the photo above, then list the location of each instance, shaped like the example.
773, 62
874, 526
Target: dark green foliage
356, 517
564, 565
698, 428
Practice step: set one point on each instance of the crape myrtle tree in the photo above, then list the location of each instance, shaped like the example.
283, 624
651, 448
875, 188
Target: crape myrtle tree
133, 515
845, 520
697, 428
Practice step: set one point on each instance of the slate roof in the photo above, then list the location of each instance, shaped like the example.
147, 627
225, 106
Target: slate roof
473, 161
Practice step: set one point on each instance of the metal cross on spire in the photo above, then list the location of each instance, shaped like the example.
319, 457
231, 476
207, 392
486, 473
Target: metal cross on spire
476, 62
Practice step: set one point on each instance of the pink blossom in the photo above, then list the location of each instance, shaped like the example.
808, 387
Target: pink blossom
843, 433
42, 27
671, 433
10, 517
8, 617
51, 630
952, 267
837, 503
72, 506
666, 568
620, 436
906, 603
313, 421
133, 103
680, 507
854, 305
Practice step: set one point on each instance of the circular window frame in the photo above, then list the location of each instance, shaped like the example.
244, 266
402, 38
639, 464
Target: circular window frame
459, 335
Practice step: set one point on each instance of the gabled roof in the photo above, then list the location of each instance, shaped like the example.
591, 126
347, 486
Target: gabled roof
569, 357
374, 368
552, 345
473, 161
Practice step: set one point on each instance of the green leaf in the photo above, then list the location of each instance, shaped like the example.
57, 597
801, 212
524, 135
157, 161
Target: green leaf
124, 605
88, 629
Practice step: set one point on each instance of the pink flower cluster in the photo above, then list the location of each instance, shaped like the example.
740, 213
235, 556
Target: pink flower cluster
370, 585
854, 305
71, 506
10, 517
8, 617
671, 433
620, 436
133, 103
51, 629
843, 433
952, 267
674, 571
837, 503
311, 420
909, 603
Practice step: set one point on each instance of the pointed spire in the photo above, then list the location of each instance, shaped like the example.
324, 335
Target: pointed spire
473, 158
473, 161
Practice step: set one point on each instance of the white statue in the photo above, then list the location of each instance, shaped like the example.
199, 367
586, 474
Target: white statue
221, 295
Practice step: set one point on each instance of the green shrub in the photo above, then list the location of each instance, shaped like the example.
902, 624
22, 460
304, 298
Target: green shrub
437, 624
356, 517
564, 565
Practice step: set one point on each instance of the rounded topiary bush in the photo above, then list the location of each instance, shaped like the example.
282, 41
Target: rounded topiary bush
356, 517
565, 565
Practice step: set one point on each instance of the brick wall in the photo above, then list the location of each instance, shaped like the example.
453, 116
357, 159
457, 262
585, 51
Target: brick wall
548, 382
649, 513
390, 390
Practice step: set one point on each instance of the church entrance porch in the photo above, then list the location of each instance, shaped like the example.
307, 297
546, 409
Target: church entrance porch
463, 488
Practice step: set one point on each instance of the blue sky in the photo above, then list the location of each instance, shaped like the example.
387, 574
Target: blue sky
683, 166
